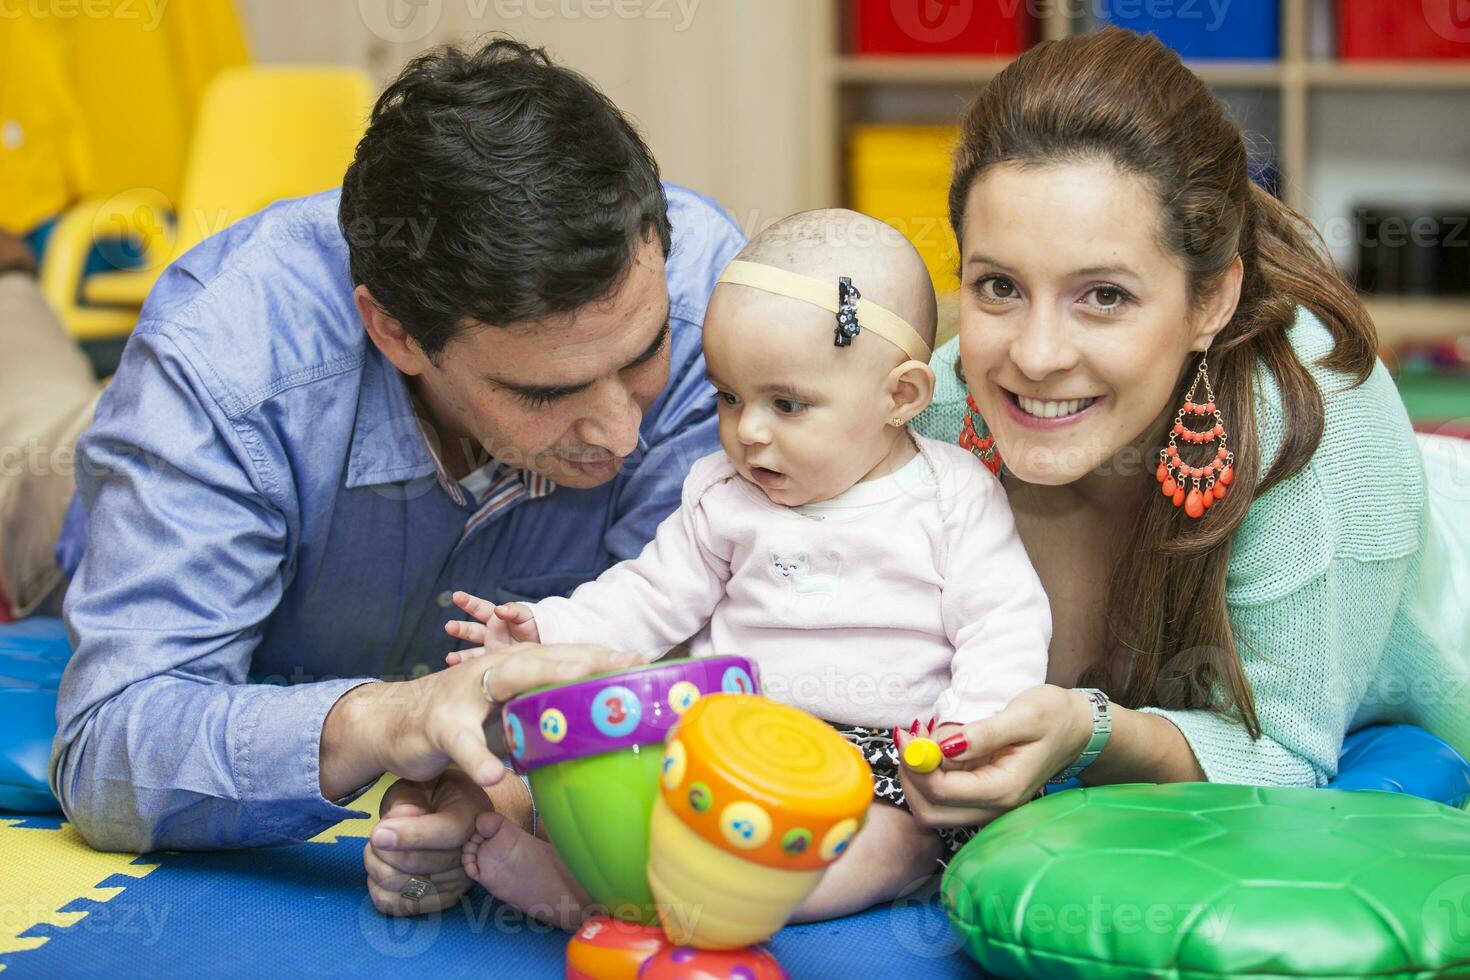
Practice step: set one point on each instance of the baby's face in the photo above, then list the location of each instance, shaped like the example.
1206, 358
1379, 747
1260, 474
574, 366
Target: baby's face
801, 419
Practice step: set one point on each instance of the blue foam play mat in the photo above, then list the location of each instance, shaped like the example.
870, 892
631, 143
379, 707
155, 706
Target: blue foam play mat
303, 910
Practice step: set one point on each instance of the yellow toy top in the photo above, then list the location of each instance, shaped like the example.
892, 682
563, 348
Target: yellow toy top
765, 781
922, 755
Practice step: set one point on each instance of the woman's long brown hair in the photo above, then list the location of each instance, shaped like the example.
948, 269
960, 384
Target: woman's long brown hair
1126, 99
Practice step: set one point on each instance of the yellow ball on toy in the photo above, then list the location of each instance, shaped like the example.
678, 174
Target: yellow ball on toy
922, 755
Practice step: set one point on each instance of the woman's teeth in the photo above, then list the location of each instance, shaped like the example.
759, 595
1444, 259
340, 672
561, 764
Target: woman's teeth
1052, 409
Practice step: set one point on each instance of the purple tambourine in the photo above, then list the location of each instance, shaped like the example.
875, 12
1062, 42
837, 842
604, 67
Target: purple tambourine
613, 711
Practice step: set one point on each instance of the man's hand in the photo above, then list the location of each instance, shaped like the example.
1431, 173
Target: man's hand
498, 627
415, 729
421, 830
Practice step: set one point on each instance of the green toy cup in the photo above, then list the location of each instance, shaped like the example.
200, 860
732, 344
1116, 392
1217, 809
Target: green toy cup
592, 750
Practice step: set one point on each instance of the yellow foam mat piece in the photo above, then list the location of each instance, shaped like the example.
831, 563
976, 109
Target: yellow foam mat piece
360, 826
45, 869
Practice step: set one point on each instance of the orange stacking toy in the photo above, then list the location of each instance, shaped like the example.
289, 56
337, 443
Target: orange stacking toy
611, 949
757, 798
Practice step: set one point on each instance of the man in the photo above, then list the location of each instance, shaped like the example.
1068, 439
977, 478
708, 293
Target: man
480, 368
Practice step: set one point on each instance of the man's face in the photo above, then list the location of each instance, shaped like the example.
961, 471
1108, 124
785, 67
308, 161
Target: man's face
563, 396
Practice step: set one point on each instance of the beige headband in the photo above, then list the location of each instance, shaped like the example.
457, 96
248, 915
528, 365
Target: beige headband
872, 317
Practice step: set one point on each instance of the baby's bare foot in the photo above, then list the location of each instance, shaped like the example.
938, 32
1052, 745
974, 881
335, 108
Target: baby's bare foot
524, 871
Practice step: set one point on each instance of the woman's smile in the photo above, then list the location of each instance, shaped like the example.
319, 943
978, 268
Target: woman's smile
1047, 413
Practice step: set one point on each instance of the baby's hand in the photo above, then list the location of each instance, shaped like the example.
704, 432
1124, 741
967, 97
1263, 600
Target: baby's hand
498, 626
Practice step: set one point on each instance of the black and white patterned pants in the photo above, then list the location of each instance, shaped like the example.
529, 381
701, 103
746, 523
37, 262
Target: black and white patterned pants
881, 754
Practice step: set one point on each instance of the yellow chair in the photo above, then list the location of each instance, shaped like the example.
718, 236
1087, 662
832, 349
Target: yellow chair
263, 133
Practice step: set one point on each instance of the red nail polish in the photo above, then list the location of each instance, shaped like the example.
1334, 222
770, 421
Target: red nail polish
914, 728
954, 745
895, 734
932, 721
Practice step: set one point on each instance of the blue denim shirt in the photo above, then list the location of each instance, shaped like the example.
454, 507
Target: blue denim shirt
256, 503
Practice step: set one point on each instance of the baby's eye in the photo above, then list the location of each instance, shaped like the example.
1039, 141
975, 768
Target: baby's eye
787, 406
726, 398
995, 288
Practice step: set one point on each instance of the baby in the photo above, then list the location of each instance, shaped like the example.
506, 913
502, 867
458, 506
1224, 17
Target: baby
875, 576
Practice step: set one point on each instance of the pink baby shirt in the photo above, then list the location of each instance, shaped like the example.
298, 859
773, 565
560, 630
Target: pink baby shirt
905, 597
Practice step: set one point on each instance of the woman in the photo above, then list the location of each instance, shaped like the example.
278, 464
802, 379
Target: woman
1124, 287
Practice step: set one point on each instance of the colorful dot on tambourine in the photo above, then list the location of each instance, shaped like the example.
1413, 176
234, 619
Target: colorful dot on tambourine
688, 963
613, 711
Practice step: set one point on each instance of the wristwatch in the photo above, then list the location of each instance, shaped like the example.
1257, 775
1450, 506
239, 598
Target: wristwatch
1102, 727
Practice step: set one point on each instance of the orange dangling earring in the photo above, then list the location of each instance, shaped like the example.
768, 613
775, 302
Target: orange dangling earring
1211, 481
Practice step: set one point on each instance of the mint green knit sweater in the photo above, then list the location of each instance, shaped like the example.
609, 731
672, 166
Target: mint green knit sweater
1349, 583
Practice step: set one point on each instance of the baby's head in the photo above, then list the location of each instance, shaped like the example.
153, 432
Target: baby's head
800, 417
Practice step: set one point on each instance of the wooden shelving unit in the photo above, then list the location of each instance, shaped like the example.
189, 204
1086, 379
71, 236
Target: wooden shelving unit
1429, 75
919, 70
1401, 318
841, 80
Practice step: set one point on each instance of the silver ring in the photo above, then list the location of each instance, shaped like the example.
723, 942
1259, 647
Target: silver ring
414, 889
485, 686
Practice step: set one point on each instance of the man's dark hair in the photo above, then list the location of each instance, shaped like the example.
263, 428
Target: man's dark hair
495, 186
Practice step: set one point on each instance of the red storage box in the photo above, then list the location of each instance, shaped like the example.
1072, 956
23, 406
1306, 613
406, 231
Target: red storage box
972, 27
1390, 29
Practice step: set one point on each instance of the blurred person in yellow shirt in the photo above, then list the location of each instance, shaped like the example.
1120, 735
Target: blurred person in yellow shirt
99, 98
44, 152
94, 99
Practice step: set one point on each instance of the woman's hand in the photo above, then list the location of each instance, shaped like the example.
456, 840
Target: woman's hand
994, 765
422, 828
416, 728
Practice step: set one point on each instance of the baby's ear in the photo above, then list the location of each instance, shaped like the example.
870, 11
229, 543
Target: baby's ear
910, 387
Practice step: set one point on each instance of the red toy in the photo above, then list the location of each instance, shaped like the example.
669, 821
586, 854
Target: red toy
688, 963
611, 949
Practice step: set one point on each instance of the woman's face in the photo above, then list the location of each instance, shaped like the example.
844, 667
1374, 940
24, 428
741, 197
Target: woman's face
1075, 323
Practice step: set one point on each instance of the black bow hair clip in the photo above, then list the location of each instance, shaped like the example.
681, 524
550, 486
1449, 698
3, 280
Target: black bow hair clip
847, 319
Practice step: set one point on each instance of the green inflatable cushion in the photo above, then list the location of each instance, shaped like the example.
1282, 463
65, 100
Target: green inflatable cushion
1196, 880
